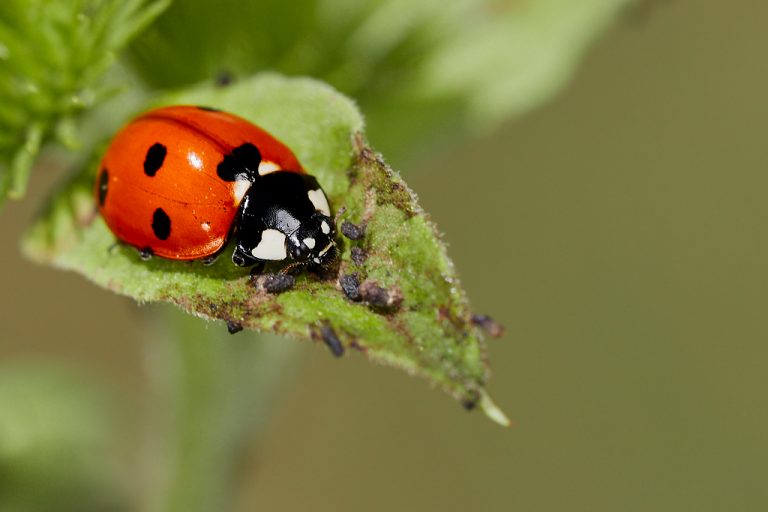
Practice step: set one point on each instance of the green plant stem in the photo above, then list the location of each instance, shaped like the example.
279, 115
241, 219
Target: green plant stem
211, 394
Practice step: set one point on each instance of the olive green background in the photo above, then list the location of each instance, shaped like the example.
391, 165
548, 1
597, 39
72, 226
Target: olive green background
620, 235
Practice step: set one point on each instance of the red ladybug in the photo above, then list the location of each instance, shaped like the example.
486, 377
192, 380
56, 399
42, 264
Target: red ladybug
178, 181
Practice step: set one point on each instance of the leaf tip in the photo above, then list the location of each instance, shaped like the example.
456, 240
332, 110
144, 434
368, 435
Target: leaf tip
493, 411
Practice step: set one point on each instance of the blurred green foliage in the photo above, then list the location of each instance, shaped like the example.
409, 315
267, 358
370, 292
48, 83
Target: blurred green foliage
423, 72
53, 55
56, 435
215, 393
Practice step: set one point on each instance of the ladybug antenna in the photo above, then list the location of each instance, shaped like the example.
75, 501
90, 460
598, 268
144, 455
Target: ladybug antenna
290, 269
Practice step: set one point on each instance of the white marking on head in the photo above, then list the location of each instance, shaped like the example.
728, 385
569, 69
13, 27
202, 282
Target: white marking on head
325, 228
194, 160
240, 188
266, 167
319, 201
316, 260
206, 226
309, 242
271, 247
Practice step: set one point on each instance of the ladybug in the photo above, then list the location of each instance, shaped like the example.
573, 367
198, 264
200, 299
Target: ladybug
178, 181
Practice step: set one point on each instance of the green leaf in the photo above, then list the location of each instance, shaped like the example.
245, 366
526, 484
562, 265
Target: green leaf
53, 55
426, 329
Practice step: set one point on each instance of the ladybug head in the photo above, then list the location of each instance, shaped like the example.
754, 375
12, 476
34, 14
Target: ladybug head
313, 242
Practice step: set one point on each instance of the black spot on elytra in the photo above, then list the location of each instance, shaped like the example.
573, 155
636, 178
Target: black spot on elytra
161, 224
243, 161
154, 159
103, 185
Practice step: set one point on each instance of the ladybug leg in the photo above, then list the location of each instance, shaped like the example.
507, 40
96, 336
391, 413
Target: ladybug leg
241, 258
146, 253
293, 268
210, 260
258, 268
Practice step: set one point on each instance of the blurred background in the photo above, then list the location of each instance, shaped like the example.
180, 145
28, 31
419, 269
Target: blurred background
617, 231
